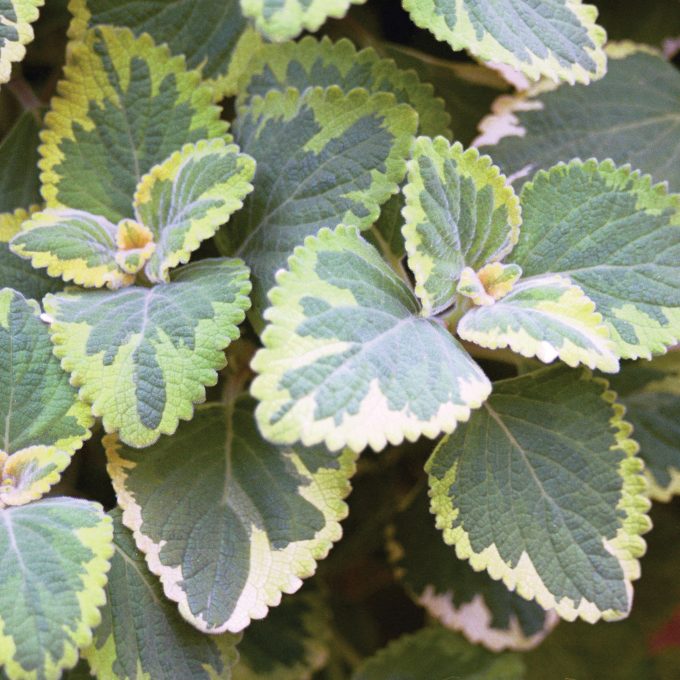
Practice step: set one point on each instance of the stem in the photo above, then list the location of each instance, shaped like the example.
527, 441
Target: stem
394, 261
24, 94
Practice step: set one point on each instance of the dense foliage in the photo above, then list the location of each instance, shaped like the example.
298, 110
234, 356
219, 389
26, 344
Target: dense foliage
245, 270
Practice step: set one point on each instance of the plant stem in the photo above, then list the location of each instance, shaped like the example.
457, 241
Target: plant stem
24, 94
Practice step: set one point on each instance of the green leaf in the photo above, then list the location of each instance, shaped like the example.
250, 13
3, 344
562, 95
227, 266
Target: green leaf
347, 358
143, 356
291, 643
124, 106
16, 17
55, 558
459, 212
651, 394
617, 237
311, 62
484, 610
142, 635
558, 38
632, 116
323, 158
545, 317
185, 199
284, 19
235, 524
42, 423
19, 180
18, 273
542, 488
649, 23
439, 653
214, 37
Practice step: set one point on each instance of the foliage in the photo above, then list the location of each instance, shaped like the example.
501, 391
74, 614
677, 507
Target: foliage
234, 257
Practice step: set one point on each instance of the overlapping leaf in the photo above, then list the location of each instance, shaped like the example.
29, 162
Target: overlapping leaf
227, 520
213, 36
142, 635
124, 106
617, 237
53, 571
19, 181
632, 116
323, 158
349, 360
311, 62
16, 17
283, 19
554, 38
484, 610
651, 394
542, 488
546, 317
42, 423
143, 356
459, 212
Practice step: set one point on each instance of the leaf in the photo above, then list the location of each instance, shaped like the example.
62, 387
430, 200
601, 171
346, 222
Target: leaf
55, 558
143, 356
439, 653
42, 423
19, 180
459, 212
284, 19
311, 62
347, 358
16, 17
485, 611
632, 116
124, 106
185, 199
542, 488
15, 272
323, 158
545, 317
651, 394
142, 635
558, 39
214, 37
617, 237
235, 524
648, 23
289, 644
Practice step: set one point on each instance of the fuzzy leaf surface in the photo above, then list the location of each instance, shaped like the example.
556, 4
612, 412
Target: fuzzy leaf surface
143, 356
225, 544
349, 360
55, 558
617, 237
16, 17
141, 634
542, 488
554, 38
42, 423
124, 105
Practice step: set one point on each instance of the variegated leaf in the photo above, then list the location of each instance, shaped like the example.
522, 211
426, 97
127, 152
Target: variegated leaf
124, 106
554, 38
459, 212
542, 488
617, 237
53, 570
323, 158
545, 317
185, 200
349, 360
16, 17
142, 636
143, 356
42, 423
283, 19
236, 523
651, 394
311, 62
213, 36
